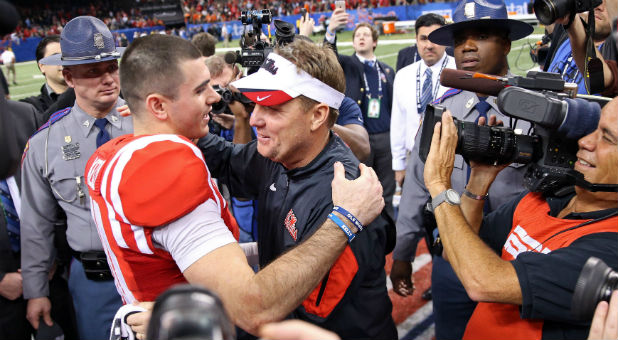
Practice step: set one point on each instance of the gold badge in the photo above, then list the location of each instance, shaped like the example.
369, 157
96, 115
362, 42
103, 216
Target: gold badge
67, 139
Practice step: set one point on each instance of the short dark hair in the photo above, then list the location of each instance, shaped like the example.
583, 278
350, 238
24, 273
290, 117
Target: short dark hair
40, 48
151, 64
205, 42
427, 20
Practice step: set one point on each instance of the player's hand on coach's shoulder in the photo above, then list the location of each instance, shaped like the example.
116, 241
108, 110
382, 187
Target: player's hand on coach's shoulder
362, 197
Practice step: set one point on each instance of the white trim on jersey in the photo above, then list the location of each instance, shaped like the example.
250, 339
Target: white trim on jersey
120, 283
115, 170
194, 235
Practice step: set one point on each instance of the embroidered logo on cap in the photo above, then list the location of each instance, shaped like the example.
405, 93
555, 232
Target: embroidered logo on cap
290, 224
98, 41
259, 99
269, 65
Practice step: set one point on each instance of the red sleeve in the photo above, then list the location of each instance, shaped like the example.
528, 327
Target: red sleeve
160, 182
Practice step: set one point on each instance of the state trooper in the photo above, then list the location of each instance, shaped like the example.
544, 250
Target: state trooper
53, 180
481, 36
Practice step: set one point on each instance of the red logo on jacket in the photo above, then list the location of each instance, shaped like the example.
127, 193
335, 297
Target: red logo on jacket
290, 224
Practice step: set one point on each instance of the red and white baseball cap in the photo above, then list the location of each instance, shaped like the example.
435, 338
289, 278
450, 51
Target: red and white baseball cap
279, 80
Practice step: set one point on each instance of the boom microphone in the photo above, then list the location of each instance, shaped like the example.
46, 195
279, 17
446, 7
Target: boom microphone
492, 85
471, 81
231, 58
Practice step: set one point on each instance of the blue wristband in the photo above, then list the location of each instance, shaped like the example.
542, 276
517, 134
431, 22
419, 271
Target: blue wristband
329, 32
343, 227
349, 216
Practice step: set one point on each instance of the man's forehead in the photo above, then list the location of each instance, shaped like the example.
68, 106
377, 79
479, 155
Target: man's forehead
477, 30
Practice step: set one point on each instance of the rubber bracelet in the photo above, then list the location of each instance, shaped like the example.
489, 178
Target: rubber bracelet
343, 227
475, 197
349, 216
329, 32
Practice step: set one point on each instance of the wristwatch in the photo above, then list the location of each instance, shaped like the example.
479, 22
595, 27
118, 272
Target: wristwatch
449, 196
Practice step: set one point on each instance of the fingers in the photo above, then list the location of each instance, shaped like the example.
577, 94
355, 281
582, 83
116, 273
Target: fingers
598, 321
340, 171
34, 320
611, 324
47, 318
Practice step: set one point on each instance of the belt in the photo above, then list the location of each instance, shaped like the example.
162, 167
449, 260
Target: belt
95, 265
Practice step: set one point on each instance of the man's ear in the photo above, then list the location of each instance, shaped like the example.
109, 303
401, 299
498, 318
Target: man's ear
68, 77
156, 105
320, 116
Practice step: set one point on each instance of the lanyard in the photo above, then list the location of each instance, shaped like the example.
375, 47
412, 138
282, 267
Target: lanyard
418, 84
380, 75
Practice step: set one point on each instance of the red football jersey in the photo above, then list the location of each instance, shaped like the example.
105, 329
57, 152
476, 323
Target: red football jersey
139, 183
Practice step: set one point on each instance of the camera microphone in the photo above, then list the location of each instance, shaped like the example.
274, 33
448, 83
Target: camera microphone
231, 58
492, 85
471, 81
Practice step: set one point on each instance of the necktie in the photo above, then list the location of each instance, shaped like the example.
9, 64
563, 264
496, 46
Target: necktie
426, 92
103, 136
370, 63
10, 214
482, 107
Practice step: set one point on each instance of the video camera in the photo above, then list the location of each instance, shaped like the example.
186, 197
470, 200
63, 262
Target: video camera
548, 11
254, 50
189, 312
227, 97
557, 123
595, 284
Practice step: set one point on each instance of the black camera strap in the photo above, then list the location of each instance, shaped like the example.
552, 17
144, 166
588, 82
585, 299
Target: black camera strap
593, 67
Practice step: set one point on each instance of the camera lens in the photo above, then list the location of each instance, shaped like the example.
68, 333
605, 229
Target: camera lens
547, 11
485, 144
595, 284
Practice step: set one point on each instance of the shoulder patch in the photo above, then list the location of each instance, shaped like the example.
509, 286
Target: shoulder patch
449, 93
56, 116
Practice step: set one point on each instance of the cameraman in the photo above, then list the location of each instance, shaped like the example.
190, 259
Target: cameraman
568, 48
521, 262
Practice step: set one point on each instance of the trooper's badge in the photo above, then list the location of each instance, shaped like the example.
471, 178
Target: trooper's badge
70, 152
98, 41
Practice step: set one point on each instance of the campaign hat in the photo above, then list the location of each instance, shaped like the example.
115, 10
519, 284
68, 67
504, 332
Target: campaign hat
486, 14
84, 40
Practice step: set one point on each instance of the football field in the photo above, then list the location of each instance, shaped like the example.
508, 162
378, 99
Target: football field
29, 79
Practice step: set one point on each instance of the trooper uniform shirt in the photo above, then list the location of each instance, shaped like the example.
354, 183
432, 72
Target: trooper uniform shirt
507, 185
53, 178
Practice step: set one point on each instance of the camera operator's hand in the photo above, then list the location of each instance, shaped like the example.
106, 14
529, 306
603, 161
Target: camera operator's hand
362, 197
139, 321
482, 175
339, 18
605, 321
441, 157
401, 277
305, 26
224, 119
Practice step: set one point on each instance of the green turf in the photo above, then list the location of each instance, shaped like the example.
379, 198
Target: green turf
29, 79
